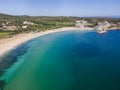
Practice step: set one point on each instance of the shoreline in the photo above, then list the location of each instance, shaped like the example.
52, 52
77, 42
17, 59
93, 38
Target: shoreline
10, 43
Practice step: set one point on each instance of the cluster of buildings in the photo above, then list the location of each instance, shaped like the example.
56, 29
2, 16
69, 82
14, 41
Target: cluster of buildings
7, 27
26, 24
102, 26
81, 24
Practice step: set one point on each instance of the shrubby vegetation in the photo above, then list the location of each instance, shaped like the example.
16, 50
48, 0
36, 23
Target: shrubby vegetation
46, 23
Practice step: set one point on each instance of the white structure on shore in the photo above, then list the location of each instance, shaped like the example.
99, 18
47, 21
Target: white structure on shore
27, 23
9, 28
103, 26
24, 27
81, 24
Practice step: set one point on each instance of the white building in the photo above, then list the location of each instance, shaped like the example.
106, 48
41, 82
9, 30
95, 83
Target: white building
103, 26
24, 27
27, 23
81, 24
10, 28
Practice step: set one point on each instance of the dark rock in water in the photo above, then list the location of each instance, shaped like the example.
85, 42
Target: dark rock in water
2, 84
10, 58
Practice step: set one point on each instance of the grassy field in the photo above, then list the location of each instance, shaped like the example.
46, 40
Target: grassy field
5, 34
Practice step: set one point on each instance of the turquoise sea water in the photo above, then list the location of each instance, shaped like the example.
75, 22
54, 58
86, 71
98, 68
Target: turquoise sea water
71, 60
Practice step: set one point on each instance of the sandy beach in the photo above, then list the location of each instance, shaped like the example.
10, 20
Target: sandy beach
10, 43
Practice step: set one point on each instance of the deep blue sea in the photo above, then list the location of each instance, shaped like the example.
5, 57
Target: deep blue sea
72, 60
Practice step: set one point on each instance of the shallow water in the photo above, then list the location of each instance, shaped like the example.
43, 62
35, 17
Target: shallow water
71, 60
